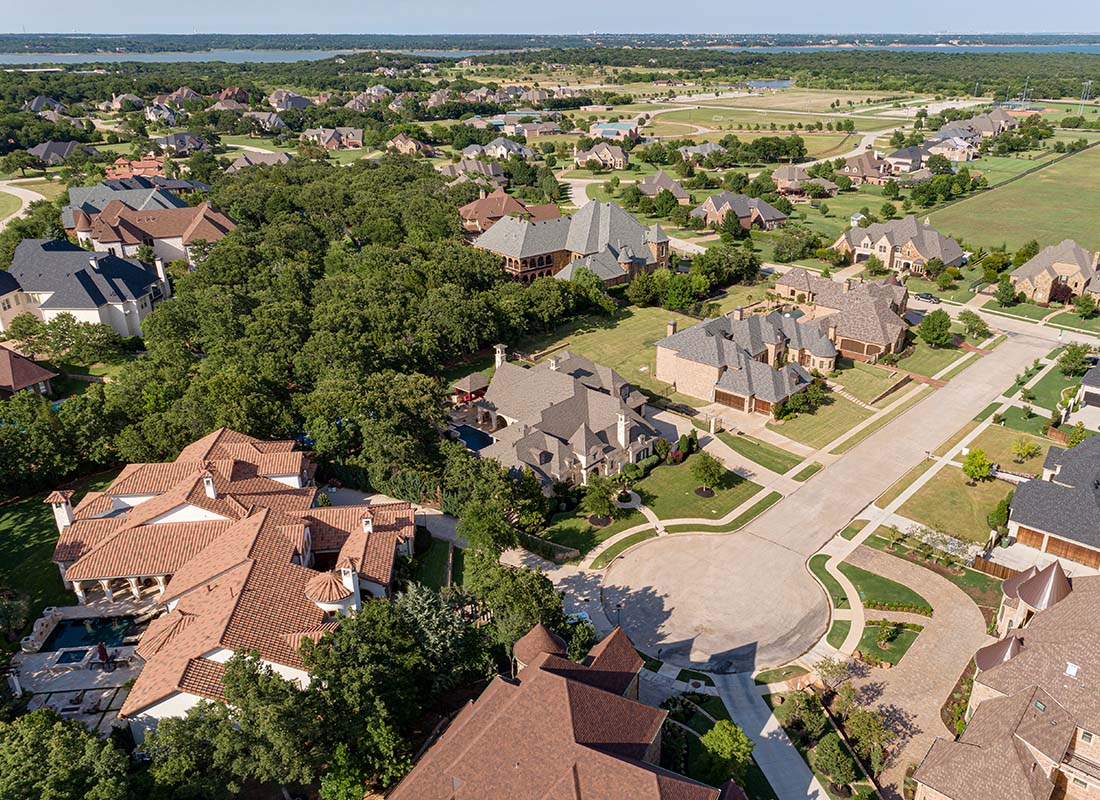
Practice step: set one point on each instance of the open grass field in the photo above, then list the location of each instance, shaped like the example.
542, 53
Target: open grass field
255, 141
571, 529
949, 504
51, 190
806, 100
9, 204
740, 117
824, 425
1058, 202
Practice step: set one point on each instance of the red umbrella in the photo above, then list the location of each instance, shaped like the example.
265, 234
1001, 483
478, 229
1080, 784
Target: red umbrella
102, 651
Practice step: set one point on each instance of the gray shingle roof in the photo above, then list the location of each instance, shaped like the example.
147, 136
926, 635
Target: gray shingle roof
1069, 505
594, 228
929, 242
702, 150
740, 204
93, 199
65, 270
1066, 251
652, 185
55, 153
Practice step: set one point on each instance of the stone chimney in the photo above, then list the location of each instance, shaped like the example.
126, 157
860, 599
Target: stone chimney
62, 506
738, 314
620, 430
553, 363
501, 356
832, 331
847, 285
671, 328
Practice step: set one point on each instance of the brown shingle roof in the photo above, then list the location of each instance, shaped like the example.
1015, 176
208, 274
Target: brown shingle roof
18, 372
537, 641
120, 223
548, 736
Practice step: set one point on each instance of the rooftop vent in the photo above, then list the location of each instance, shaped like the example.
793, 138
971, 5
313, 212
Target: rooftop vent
1071, 669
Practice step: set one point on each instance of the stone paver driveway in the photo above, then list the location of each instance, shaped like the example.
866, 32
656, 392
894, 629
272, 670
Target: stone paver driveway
910, 695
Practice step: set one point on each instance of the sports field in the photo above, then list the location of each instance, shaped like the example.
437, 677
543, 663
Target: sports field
1061, 201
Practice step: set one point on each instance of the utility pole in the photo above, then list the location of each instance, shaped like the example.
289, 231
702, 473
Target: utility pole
1086, 92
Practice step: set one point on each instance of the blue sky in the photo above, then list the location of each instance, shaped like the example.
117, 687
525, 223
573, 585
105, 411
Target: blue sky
557, 16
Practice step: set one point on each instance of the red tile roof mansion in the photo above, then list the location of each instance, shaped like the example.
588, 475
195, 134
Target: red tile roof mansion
229, 538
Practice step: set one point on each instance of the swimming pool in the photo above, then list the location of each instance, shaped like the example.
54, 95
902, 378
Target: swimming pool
72, 656
88, 633
472, 437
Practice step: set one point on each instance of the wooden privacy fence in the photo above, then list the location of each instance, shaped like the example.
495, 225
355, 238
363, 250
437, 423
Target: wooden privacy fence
996, 570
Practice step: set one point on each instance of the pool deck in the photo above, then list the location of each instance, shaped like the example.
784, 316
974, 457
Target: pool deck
91, 696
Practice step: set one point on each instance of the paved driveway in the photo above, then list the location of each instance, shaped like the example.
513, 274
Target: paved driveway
745, 600
911, 694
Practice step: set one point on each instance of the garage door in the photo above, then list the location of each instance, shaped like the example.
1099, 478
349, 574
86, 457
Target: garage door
1091, 398
731, 400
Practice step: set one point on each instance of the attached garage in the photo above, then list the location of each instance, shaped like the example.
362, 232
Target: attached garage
1030, 538
1090, 387
1073, 551
734, 401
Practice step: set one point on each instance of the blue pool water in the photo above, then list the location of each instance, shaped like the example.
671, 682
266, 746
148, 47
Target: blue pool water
72, 656
73, 633
473, 438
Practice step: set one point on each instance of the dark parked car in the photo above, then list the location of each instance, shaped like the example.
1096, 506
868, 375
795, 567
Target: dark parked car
928, 298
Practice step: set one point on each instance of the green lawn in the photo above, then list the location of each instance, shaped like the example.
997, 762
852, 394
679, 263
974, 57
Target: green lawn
431, 566
1070, 319
1061, 201
780, 674
688, 675
926, 360
863, 381
850, 532
763, 453
892, 653
1022, 310
9, 204
51, 190
258, 142
832, 585
913, 397
903, 483
807, 472
670, 492
824, 425
572, 529
838, 632
27, 545
740, 521
621, 546
997, 443
1017, 419
949, 504
984, 590
1048, 391
874, 588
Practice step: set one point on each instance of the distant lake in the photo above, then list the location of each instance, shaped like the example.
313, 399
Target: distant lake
769, 84
929, 48
230, 56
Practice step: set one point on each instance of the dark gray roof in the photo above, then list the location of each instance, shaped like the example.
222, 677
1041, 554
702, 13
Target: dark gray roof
751, 378
93, 199
704, 150
55, 153
652, 185
742, 205
42, 103
156, 182
1068, 505
604, 264
181, 142
1091, 378
65, 270
8, 283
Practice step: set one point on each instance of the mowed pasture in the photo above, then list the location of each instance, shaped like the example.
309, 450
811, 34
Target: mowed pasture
808, 100
728, 118
1060, 201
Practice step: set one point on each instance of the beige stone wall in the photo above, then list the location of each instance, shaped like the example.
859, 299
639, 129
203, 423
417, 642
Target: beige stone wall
690, 378
1089, 750
979, 694
926, 793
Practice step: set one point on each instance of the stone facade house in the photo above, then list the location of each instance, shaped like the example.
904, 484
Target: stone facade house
557, 729
533, 249
1058, 272
340, 138
653, 185
229, 544
751, 211
500, 148
1033, 728
564, 419
171, 232
868, 167
489, 172
794, 181
1059, 512
863, 320
406, 145
609, 156
903, 245
748, 363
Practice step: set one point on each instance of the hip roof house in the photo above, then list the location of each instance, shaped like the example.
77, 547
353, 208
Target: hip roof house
750, 211
1058, 272
560, 729
171, 232
565, 419
229, 540
902, 245
600, 231
51, 277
